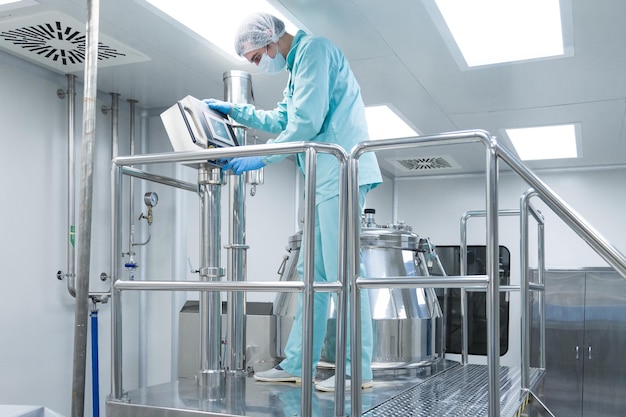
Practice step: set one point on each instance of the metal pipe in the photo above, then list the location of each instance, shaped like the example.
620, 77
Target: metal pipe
308, 244
539, 286
541, 269
524, 293
237, 89
71, 186
85, 212
354, 289
463, 271
137, 173
131, 191
464, 311
600, 245
449, 281
116, 295
342, 298
179, 268
238, 151
503, 288
257, 286
493, 291
211, 373
115, 139
95, 372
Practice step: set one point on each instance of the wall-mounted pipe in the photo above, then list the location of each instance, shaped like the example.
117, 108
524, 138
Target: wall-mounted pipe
115, 139
71, 186
95, 368
85, 212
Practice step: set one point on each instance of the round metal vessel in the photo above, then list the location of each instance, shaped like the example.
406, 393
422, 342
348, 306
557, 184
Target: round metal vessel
407, 323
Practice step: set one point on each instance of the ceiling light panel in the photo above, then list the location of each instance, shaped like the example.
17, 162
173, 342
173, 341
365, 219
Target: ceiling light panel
546, 142
217, 22
383, 122
488, 32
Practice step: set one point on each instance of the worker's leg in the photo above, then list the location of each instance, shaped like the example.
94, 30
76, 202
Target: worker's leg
293, 349
328, 215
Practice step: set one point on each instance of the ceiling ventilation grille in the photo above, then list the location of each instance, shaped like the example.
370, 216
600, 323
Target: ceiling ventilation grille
425, 164
58, 42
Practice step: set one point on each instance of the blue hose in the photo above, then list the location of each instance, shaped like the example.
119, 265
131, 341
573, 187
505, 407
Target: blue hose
95, 385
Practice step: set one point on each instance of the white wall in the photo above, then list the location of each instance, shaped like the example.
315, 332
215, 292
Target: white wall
36, 311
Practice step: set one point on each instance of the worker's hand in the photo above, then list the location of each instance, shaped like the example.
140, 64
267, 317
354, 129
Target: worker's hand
241, 165
221, 106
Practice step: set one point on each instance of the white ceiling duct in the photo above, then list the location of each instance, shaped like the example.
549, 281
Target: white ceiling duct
57, 41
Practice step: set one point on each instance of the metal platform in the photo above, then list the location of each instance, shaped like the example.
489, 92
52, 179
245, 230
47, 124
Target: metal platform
443, 389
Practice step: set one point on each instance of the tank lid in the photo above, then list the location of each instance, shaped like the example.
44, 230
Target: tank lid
395, 236
236, 73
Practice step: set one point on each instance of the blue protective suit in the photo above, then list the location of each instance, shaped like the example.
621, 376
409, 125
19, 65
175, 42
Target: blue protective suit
322, 103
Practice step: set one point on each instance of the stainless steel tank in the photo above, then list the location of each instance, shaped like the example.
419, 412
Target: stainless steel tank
407, 323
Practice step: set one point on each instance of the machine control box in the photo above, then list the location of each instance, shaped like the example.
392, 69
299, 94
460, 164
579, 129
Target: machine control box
191, 125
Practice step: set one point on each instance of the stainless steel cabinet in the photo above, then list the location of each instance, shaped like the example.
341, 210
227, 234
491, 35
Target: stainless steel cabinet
585, 343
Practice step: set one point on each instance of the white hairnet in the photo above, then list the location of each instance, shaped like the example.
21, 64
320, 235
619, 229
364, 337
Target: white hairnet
257, 31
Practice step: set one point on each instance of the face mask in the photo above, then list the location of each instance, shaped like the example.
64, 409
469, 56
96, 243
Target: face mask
272, 65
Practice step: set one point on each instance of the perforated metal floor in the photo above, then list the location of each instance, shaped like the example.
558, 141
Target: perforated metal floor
459, 391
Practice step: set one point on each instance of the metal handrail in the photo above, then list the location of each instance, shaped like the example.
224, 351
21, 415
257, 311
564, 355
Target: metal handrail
463, 271
120, 167
492, 267
494, 152
576, 222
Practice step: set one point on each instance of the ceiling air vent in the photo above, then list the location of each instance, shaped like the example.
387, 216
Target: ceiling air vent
425, 164
58, 42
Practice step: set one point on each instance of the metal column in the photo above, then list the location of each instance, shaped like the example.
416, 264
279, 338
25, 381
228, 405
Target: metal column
237, 89
84, 225
210, 375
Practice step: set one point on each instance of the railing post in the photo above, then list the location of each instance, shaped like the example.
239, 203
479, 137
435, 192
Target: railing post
308, 244
493, 296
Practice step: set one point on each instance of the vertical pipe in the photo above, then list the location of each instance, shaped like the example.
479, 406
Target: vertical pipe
95, 372
115, 125
308, 243
131, 186
210, 374
524, 293
342, 297
354, 291
179, 251
394, 202
71, 186
541, 268
464, 311
86, 196
446, 301
116, 302
237, 89
493, 289
132, 264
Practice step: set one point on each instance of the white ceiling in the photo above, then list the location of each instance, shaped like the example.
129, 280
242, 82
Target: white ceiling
399, 57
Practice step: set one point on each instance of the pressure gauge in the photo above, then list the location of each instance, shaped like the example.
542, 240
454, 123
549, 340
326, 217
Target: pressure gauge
150, 199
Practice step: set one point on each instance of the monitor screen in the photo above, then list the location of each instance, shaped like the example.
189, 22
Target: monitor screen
219, 129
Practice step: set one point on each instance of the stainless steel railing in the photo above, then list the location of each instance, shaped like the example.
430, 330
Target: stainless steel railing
494, 153
120, 167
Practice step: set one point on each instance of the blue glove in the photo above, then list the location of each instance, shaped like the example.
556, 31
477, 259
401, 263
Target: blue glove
241, 165
221, 106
